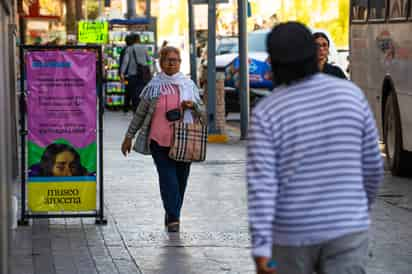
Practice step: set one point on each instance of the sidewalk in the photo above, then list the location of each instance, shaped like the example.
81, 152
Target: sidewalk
214, 233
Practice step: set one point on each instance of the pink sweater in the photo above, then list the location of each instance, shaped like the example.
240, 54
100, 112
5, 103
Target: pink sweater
161, 128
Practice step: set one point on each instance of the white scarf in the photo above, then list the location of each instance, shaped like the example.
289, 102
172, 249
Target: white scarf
163, 84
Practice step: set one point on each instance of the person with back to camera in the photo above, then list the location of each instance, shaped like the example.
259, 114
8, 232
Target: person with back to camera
134, 58
313, 165
129, 39
59, 160
322, 42
169, 96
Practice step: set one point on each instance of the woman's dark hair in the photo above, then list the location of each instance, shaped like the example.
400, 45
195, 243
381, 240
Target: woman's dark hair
317, 35
49, 157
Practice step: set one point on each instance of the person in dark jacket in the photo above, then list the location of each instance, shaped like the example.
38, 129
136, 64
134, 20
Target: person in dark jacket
322, 41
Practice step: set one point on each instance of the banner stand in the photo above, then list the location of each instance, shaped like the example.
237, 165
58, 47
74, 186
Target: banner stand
99, 212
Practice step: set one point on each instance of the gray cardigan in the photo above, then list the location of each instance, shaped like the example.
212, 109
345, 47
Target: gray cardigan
142, 121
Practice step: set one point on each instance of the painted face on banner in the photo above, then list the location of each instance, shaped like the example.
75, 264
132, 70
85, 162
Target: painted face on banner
64, 164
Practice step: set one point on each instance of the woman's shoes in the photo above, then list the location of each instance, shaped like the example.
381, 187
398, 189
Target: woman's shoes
173, 227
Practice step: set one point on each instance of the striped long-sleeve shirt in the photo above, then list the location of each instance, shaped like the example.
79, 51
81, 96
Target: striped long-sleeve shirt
314, 164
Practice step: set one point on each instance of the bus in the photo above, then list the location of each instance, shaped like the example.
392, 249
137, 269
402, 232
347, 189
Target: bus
381, 65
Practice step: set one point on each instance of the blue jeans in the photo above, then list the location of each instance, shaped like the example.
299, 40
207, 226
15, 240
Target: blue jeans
173, 177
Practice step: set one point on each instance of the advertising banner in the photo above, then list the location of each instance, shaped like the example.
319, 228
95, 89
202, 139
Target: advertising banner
62, 120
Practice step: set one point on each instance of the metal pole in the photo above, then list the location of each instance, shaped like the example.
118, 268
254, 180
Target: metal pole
131, 9
23, 133
101, 220
4, 151
211, 66
243, 69
192, 42
101, 9
4, 191
148, 8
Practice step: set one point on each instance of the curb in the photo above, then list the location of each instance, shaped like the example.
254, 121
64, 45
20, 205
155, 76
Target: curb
217, 138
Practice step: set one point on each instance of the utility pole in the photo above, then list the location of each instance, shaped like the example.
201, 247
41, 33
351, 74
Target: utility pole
211, 66
243, 69
131, 9
148, 8
192, 42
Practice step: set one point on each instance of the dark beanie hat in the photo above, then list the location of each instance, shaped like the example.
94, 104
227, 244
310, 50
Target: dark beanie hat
290, 42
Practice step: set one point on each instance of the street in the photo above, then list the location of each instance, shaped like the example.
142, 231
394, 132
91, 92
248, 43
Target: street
214, 231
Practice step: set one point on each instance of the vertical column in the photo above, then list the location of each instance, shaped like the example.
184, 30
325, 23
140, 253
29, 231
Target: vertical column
71, 17
243, 69
148, 8
4, 156
211, 66
220, 103
131, 9
220, 135
192, 42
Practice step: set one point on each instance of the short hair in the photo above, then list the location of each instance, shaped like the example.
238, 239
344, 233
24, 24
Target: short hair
319, 34
129, 40
166, 50
291, 71
135, 37
49, 157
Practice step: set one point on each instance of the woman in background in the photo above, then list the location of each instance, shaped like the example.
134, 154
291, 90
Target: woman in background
322, 41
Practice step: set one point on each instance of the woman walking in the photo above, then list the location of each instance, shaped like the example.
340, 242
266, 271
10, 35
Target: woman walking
168, 97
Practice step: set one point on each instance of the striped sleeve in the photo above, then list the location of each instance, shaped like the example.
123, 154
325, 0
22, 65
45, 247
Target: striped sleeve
262, 185
372, 164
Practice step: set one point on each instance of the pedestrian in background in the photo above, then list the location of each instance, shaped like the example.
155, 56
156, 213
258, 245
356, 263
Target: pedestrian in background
135, 56
129, 41
313, 165
169, 96
322, 42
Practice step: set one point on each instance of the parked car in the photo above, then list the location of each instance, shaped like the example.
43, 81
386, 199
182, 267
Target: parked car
259, 71
260, 82
224, 45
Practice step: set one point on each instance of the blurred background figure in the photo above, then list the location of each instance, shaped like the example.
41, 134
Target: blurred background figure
322, 42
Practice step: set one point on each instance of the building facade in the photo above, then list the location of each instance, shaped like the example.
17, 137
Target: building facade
8, 126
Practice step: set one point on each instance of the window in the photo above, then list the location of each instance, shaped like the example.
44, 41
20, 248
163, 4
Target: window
398, 8
377, 9
359, 10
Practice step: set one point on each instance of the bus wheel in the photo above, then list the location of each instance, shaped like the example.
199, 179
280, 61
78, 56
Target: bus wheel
396, 157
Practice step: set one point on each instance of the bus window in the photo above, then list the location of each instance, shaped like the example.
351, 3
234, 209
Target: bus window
377, 9
398, 8
359, 10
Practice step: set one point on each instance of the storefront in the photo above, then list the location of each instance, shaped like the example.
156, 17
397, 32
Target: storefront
44, 22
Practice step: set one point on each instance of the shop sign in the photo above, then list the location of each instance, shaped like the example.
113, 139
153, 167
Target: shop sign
95, 32
62, 124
